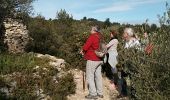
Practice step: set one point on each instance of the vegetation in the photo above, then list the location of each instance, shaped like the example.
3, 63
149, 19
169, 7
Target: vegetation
149, 73
21, 69
64, 36
19, 9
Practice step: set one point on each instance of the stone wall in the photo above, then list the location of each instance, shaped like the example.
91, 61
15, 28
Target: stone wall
16, 35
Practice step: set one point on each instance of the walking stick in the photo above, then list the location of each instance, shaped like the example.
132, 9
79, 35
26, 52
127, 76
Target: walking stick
81, 52
83, 80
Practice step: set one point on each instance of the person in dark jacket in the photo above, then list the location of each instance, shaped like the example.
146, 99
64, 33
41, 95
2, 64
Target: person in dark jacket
122, 84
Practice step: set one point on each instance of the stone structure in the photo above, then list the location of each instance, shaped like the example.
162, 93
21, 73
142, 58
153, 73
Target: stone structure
16, 35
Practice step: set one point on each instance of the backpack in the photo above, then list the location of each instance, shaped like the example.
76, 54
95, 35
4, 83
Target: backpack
102, 50
149, 48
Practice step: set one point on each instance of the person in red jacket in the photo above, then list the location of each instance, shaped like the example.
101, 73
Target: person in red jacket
93, 65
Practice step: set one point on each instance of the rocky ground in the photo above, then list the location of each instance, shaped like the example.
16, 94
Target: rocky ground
110, 92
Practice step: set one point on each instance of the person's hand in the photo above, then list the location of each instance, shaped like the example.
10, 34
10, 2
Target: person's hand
81, 52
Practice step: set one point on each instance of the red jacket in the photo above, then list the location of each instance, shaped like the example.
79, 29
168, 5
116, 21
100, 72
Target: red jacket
90, 46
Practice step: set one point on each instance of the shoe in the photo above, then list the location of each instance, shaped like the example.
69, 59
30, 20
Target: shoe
100, 96
91, 96
121, 96
112, 81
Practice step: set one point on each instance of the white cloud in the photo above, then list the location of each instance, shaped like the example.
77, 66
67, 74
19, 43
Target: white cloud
120, 6
127, 5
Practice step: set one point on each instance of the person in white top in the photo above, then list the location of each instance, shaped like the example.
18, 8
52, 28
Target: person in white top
131, 40
112, 53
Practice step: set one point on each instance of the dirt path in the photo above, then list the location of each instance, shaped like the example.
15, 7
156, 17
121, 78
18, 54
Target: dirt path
109, 92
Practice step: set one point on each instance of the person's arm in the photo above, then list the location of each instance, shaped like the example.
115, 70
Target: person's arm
138, 45
88, 44
112, 42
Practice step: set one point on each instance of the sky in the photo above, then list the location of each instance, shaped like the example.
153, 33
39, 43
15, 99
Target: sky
122, 11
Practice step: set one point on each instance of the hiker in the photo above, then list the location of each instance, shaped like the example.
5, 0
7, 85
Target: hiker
93, 65
130, 39
111, 57
144, 40
130, 42
121, 82
146, 45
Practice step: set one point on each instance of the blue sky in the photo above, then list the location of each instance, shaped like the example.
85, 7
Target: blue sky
122, 11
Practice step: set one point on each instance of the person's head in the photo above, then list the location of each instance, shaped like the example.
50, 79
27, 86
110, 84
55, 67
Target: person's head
113, 34
95, 29
145, 35
128, 32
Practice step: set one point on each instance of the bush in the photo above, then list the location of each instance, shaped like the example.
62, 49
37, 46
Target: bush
65, 86
29, 81
10, 63
149, 73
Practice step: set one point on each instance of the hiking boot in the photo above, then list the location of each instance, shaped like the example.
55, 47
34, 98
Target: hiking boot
121, 96
100, 96
91, 96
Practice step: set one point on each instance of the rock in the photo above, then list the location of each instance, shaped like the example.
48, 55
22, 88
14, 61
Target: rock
53, 58
16, 36
5, 90
39, 55
36, 67
61, 74
41, 95
57, 63
13, 84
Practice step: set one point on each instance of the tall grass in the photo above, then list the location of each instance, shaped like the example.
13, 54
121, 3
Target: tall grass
16, 62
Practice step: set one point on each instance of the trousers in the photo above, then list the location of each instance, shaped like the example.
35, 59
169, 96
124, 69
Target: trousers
94, 77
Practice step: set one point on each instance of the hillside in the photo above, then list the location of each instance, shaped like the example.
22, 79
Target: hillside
40, 59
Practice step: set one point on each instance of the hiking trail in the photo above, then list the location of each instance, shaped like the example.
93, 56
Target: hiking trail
109, 92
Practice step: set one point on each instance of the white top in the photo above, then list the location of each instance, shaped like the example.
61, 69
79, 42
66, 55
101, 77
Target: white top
133, 43
112, 50
112, 46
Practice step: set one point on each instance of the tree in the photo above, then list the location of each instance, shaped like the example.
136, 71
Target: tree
13, 8
107, 23
63, 15
64, 21
85, 18
92, 19
153, 27
149, 73
168, 12
165, 19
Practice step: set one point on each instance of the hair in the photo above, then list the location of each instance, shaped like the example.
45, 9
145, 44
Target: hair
129, 31
114, 33
96, 28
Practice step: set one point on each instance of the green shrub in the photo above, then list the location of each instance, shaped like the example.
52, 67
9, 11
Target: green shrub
21, 69
16, 63
64, 87
149, 74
